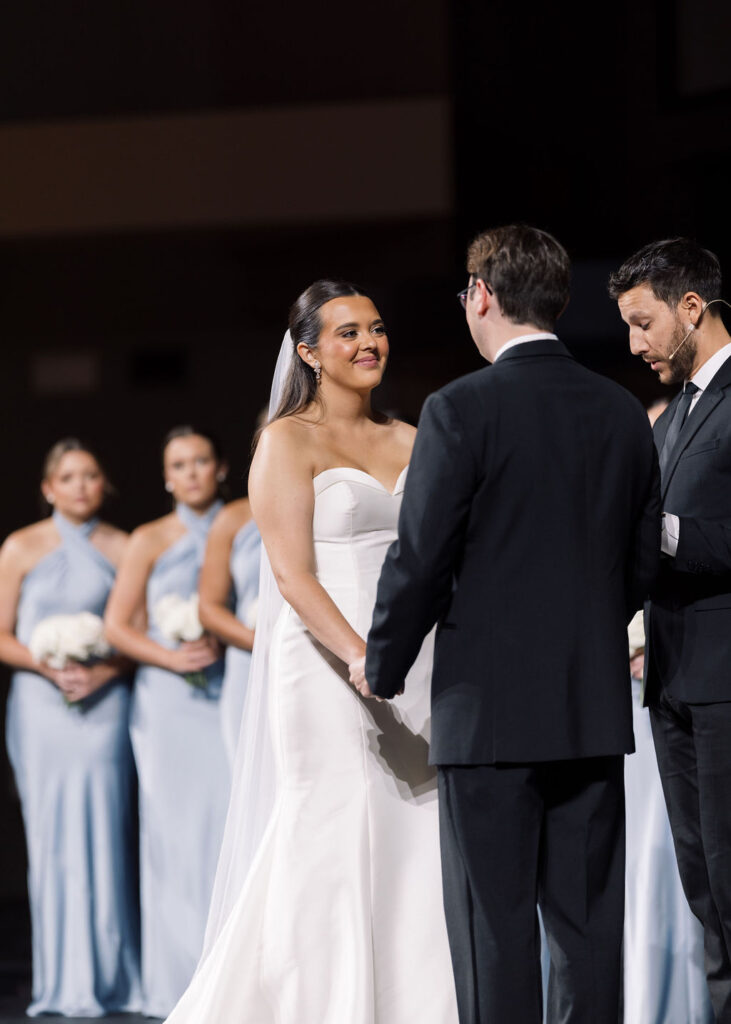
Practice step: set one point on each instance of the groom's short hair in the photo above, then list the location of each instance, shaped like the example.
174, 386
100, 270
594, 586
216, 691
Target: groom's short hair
527, 269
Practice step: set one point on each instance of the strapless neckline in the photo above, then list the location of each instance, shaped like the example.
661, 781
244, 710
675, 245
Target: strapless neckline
398, 487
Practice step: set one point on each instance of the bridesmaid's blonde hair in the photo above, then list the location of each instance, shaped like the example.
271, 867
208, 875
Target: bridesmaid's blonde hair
73, 444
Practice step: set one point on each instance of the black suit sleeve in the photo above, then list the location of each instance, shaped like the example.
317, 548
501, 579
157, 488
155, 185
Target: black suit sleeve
416, 580
645, 553
704, 545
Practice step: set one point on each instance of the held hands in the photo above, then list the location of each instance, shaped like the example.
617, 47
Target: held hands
194, 655
77, 681
358, 679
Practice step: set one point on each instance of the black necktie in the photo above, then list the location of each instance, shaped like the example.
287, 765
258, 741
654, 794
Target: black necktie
677, 423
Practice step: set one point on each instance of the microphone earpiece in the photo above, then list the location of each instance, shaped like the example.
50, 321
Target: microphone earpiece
692, 327
688, 333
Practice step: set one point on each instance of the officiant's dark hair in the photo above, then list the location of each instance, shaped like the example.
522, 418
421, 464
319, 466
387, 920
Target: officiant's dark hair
671, 268
305, 326
527, 269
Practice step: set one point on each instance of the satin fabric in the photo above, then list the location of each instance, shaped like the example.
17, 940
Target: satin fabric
244, 565
75, 776
183, 786
341, 917
664, 979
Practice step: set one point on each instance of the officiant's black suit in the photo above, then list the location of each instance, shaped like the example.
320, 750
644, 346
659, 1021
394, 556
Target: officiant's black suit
529, 531
688, 668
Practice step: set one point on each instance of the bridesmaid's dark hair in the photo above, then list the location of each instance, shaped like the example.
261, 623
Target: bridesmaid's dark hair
305, 325
190, 430
73, 444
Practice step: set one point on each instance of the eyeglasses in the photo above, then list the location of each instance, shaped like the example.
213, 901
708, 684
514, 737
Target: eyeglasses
462, 296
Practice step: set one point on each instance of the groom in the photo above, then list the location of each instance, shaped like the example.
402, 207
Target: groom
529, 531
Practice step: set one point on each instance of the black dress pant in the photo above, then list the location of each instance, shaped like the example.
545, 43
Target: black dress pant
517, 835
693, 746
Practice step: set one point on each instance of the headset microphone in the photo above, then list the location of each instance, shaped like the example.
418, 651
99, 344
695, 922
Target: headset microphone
693, 326
675, 351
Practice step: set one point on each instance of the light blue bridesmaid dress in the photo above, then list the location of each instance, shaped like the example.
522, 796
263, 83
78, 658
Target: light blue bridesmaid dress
184, 785
664, 978
75, 775
244, 566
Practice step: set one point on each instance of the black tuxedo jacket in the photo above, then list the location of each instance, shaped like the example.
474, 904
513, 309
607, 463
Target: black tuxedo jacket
688, 621
529, 530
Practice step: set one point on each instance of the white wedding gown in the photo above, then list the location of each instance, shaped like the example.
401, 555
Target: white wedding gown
340, 920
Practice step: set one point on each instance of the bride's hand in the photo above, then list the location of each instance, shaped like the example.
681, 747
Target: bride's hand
357, 678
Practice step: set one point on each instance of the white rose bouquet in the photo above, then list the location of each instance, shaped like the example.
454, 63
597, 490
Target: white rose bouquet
636, 635
636, 639
177, 619
61, 639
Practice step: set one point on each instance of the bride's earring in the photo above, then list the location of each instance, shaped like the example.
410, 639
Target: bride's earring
220, 477
318, 372
169, 487
50, 499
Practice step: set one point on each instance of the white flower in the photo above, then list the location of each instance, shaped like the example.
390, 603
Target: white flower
177, 618
251, 612
63, 638
636, 634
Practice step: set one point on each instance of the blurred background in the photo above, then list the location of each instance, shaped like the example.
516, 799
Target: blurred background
173, 174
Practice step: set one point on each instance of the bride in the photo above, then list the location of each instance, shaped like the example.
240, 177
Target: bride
327, 908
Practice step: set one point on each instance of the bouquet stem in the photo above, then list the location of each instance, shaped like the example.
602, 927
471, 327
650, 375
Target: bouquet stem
198, 680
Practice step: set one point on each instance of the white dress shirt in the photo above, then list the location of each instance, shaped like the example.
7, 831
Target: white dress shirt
670, 522
538, 336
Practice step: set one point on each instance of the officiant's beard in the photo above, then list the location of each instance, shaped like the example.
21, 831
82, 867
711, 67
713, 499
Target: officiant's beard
682, 363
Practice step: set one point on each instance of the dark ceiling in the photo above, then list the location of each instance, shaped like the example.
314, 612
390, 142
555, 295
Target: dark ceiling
92, 58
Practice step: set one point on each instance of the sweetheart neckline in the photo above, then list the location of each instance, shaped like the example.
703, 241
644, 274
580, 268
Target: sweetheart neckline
354, 469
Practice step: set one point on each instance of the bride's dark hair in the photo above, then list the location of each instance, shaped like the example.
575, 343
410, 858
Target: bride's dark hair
305, 325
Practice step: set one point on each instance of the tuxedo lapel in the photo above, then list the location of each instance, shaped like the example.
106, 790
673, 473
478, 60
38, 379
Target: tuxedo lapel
704, 407
663, 424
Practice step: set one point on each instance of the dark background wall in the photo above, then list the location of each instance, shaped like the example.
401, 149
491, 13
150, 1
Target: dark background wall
172, 175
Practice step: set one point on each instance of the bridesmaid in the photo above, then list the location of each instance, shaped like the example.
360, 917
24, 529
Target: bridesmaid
68, 742
231, 565
175, 726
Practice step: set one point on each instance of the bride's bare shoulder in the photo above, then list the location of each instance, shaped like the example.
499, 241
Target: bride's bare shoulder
404, 430
285, 437
286, 446
402, 433
399, 437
